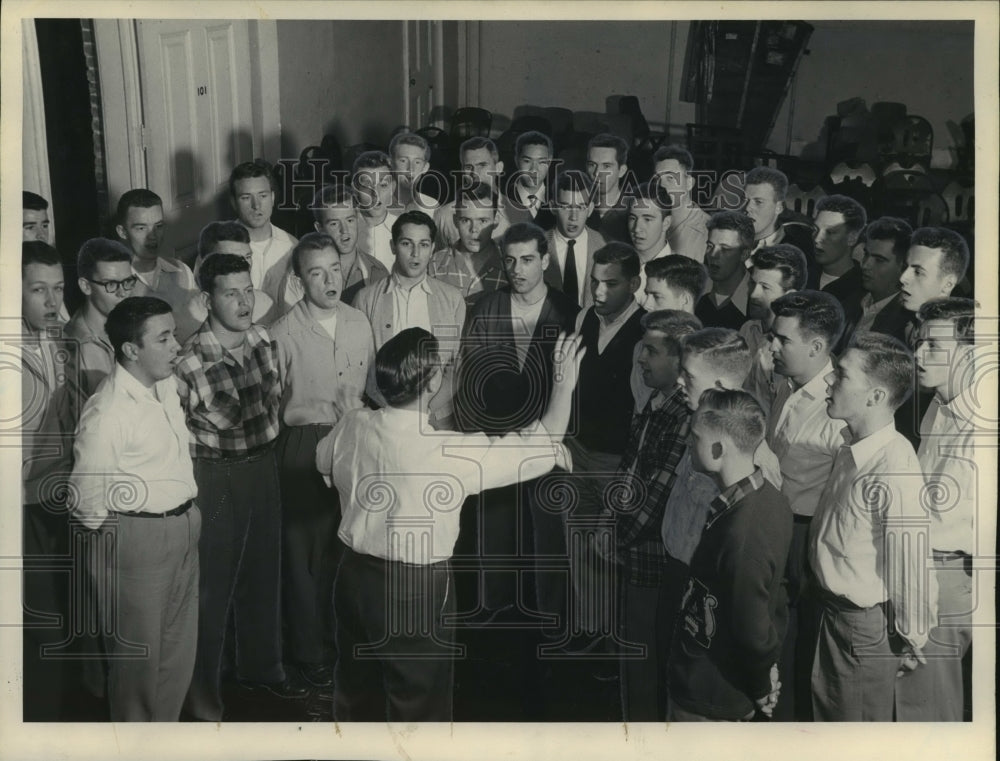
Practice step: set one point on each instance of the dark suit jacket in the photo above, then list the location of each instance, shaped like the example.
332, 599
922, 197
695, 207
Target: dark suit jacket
893, 319
848, 291
495, 394
554, 275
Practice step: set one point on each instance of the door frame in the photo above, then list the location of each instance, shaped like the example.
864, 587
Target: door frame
116, 43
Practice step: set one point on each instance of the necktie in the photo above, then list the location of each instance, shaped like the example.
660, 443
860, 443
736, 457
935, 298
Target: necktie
570, 285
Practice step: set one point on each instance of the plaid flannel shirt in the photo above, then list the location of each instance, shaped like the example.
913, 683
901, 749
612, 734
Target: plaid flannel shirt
733, 494
452, 266
231, 408
638, 522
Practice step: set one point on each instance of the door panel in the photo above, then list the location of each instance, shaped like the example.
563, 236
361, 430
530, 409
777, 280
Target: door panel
197, 118
423, 41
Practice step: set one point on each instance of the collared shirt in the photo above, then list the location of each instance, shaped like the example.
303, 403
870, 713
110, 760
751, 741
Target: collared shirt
232, 405
455, 268
173, 281
948, 457
608, 329
49, 409
864, 541
805, 439
315, 370
95, 353
656, 444
688, 235
376, 240
402, 485
579, 256
690, 498
733, 494
738, 298
267, 255
409, 305
531, 200
870, 310
132, 450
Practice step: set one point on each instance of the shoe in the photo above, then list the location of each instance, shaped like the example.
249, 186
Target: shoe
317, 674
284, 689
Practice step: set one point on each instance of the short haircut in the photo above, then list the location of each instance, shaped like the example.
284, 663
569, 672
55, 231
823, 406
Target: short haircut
405, 364
126, 322
765, 175
39, 252
786, 259
621, 253
525, 232
410, 138
531, 138
960, 312
819, 314
895, 229
607, 140
678, 153
100, 250
477, 144
673, 323
371, 160
309, 242
575, 181
219, 265
724, 350
215, 232
137, 198
855, 216
734, 413
249, 170
413, 218
680, 273
953, 248
887, 362
733, 220
655, 194
478, 196
338, 194
33, 201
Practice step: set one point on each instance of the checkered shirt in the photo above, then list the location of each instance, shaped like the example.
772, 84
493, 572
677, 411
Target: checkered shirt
231, 408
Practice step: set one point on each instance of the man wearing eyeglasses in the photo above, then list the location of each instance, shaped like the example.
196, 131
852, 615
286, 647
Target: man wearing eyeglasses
106, 278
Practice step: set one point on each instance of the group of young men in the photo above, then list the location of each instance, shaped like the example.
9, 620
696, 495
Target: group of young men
742, 441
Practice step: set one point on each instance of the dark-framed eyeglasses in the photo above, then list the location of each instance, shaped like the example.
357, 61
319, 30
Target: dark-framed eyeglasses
112, 286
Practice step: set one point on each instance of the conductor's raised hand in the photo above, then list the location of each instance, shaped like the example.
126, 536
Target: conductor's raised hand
566, 358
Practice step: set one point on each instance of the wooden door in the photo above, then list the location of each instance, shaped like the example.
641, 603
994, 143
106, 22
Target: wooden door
197, 118
423, 44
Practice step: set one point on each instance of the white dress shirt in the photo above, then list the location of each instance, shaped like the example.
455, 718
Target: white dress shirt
402, 484
378, 239
409, 306
805, 439
132, 451
949, 461
607, 329
267, 254
868, 541
579, 255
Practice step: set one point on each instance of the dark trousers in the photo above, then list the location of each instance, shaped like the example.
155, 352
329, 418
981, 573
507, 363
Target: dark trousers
310, 519
149, 590
240, 576
395, 656
569, 520
47, 677
799, 645
671, 593
642, 678
500, 517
